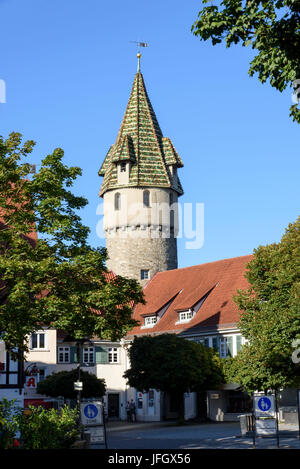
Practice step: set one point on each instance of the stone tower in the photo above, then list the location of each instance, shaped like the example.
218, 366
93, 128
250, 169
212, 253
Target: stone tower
140, 189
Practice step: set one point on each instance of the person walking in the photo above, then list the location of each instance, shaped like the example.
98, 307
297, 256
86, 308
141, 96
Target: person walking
128, 411
132, 411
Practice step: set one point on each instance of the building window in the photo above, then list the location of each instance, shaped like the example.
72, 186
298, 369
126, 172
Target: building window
203, 341
145, 274
225, 347
38, 341
146, 198
123, 167
2, 356
63, 354
117, 201
113, 355
41, 375
150, 321
185, 316
238, 343
88, 355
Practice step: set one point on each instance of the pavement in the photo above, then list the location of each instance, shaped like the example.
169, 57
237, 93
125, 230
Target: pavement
208, 435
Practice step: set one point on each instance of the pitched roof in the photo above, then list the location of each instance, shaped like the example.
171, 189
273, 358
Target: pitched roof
140, 140
210, 286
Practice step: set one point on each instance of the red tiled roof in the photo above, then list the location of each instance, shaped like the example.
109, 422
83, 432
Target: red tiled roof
189, 285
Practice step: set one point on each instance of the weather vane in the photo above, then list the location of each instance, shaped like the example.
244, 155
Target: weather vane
139, 44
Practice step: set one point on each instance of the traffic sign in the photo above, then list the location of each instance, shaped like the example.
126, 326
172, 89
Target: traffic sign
78, 386
92, 413
266, 426
264, 406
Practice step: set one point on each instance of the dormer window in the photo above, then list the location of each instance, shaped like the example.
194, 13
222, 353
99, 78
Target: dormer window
123, 167
185, 316
150, 321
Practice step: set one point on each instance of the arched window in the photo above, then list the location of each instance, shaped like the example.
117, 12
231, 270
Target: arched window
117, 201
146, 198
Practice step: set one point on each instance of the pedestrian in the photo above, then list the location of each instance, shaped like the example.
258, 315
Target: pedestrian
132, 411
128, 411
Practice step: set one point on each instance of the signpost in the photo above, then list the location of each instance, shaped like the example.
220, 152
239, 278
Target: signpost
265, 414
92, 417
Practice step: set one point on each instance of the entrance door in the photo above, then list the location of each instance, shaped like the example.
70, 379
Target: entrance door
113, 406
201, 405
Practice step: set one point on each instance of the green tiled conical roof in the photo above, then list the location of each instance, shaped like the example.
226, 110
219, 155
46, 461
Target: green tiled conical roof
140, 141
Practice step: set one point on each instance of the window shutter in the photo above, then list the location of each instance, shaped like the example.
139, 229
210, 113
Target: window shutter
229, 346
101, 355
206, 342
73, 355
238, 342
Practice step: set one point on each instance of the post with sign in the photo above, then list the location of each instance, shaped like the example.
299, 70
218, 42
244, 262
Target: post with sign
265, 413
92, 417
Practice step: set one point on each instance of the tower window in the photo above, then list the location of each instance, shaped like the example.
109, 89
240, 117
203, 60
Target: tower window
145, 274
146, 198
117, 201
123, 167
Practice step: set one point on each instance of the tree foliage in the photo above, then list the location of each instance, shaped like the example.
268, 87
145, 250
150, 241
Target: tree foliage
57, 280
48, 428
270, 316
172, 364
270, 27
62, 384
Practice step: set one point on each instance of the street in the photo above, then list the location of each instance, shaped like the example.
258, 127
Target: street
168, 435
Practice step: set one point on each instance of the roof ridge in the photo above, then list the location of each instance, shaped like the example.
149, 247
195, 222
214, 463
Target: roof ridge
205, 263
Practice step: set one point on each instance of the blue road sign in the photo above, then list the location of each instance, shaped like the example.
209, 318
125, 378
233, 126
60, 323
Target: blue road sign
264, 404
90, 411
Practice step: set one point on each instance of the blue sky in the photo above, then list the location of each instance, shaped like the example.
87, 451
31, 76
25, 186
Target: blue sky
68, 66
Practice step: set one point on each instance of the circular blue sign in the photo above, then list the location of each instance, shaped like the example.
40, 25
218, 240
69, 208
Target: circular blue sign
90, 411
264, 404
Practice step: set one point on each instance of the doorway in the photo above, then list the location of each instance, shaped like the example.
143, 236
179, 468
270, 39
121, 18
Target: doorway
113, 406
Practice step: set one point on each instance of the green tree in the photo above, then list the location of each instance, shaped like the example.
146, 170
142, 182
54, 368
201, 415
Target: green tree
270, 316
62, 384
270, 27
48, 428
8, 423
172, 364
57, 280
